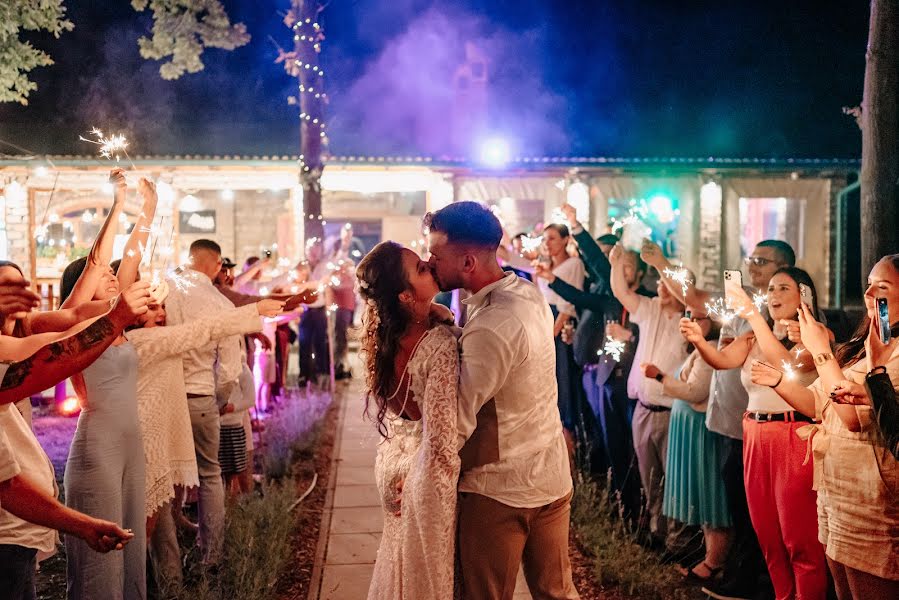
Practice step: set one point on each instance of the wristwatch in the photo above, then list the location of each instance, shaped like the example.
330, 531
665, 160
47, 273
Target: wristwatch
822, 358
659, 377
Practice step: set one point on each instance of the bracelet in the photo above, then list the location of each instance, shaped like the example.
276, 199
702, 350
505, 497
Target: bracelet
779, 381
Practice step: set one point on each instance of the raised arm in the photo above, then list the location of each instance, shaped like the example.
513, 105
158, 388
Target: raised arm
629, 299
66, 318
653, 256
732, 356
60, 360
137, 241
583, 300
595, 261
101, 250
248, 275
774, 351
157, 342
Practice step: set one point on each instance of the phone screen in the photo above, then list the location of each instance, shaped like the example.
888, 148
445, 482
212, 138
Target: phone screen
883, 316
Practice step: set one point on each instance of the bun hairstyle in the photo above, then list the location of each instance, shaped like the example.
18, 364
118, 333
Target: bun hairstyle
382, 279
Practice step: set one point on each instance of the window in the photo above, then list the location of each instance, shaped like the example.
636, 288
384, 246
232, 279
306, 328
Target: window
772, 219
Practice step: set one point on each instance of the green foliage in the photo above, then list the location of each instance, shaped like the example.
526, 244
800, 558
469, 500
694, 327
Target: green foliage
618, 560
182, 29
17, 56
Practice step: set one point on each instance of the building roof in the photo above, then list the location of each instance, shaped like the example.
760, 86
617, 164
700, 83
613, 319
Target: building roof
524, 163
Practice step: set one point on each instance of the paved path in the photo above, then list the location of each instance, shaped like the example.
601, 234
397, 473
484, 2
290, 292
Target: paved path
352, 521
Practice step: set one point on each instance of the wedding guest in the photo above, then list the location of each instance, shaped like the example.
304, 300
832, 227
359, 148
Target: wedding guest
30, 513
728, 400
777, 478
660, 344
25, 323
856, 474
568, 377
313, 355
217, 361
694, 489
105, 468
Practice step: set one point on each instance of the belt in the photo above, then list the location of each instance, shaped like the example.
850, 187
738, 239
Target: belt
199, 395
654, 407
793, 416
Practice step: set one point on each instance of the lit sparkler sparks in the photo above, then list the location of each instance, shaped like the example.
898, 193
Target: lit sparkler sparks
558, 217
613, 348
759, 300
789, 370
719, 310
530, 244
111, 147
681, 277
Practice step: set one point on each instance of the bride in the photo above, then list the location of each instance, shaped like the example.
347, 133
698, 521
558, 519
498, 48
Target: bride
412, 372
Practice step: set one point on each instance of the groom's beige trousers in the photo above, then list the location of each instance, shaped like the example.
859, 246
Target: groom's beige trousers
494, 539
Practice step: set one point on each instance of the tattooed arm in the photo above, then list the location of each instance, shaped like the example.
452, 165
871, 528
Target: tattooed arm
55, 362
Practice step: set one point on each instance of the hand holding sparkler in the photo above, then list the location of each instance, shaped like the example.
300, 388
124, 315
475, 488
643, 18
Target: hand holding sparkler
544, 271
651, 253
269, 307
850, 392
308, 296
691, 330
570, 214
618, 332
764, 374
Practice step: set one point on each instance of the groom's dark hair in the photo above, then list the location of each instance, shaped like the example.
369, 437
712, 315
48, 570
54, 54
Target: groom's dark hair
466, 223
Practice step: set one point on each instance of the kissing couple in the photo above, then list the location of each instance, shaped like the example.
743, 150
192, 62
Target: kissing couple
472, 468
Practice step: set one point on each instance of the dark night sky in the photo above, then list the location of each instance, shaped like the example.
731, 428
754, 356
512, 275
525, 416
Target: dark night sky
617, 78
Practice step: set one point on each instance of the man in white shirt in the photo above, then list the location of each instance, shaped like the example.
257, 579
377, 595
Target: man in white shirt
662, 345
193, 296
30, 513
515, 486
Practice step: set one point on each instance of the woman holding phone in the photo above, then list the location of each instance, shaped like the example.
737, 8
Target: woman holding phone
777, 478
856, 473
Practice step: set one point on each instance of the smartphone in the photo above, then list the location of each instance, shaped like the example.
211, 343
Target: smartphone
735, 277
688, 314
805, 293
883, 318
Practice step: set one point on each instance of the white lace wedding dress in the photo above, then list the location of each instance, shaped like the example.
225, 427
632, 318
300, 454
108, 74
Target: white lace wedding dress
417, 552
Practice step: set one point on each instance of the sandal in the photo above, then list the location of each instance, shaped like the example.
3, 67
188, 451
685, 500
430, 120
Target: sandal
692, 577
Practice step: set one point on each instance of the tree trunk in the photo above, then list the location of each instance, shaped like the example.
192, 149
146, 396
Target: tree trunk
880, 137
313, 141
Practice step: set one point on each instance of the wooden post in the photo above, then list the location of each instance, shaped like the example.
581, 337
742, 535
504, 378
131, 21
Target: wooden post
308, 35
880, 137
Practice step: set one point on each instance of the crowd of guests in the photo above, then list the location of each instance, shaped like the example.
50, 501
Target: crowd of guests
166, 369
740, 440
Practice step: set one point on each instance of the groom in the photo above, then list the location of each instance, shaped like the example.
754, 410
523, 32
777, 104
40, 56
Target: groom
515, 485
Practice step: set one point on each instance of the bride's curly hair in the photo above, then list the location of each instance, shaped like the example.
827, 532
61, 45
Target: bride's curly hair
382, 279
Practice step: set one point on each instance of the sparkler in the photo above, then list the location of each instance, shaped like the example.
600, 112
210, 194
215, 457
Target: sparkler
111, 147
759, 300
558, 217
679, 276
789, 369
530, 244
718, 309
612, 348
